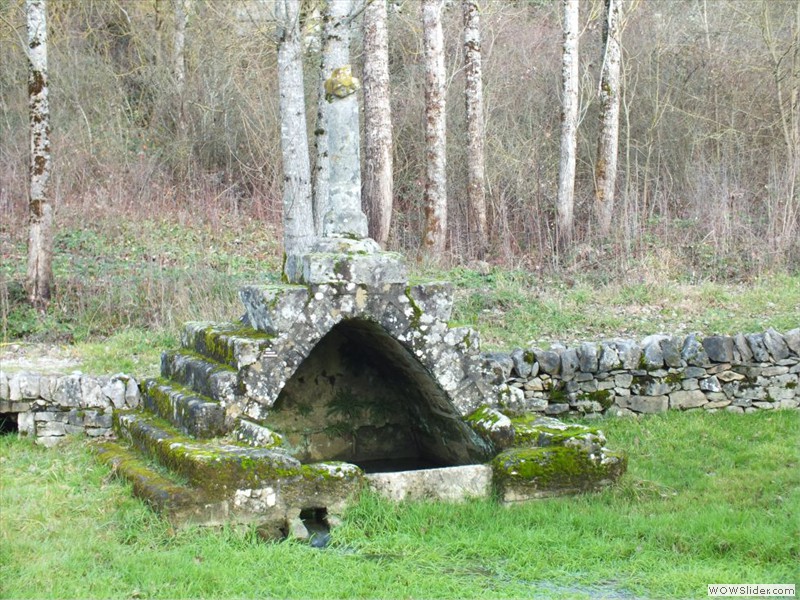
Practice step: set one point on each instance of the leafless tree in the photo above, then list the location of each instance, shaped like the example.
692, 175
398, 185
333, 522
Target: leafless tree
473, 97
40, 237
298, 218
569, 124
435, 233
335, 54
378, 181
605, 168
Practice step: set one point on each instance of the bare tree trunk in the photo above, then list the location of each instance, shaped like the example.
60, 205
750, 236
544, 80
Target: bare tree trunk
298, 218
378, 182
40, 236
335, 54
569, 125
435, 234
473, 97
605, 168
181, 9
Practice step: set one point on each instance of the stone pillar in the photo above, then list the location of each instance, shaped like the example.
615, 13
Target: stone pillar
344, 217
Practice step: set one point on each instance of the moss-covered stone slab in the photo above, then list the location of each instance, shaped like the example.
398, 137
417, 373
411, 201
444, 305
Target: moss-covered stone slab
191, 413
522, 474
232, 344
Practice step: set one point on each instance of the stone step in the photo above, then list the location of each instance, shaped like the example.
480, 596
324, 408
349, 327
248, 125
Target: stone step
205, 376
228, 343
180, 503
217, 466
189, 412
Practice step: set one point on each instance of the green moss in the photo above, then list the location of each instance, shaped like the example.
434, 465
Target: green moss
553, 468
483, 414
417, 316
673, 378
528, 434
790, 385
529, 357
604, 397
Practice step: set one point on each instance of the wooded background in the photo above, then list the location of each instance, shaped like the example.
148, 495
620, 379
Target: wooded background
709, 144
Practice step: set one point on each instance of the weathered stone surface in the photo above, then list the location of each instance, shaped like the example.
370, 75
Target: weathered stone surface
671, 350
522, 367
493, 425
792, 339
710, 384
366, 269
757, 346
743, 348
498, 366
687, 399
629, 352
609, 358
68, 391
589, 357
451, 484
775, 344
693, 352
719, 348
549, 362
556, 409
653, 357
569, 363
644, 404
28, 385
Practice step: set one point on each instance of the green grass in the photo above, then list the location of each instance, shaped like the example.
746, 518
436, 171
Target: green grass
121, 282
707, 499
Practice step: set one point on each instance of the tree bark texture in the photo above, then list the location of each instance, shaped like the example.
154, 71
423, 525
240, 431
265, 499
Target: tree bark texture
435, 199
335, 54
181, 9
569, 124
298, 218
378, 179
473, 97
605, 169
40, 235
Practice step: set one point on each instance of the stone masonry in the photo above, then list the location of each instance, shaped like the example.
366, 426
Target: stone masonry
742, 374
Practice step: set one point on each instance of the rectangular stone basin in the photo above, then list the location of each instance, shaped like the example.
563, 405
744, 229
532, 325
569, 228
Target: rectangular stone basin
451, 484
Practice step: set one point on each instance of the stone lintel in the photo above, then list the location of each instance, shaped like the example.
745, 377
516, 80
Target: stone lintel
367, 269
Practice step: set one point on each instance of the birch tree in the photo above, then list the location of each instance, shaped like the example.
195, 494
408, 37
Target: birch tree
40, 236
605, 169
473, 97
435, 199
335, 54
569, 124
378, 183
181, 9
298, 218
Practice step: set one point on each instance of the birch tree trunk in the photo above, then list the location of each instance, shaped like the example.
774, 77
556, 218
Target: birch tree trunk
335, 54
473, 97
298, 218
605, 169
435, 233
569, 125
181, 9
40, 236
378, 183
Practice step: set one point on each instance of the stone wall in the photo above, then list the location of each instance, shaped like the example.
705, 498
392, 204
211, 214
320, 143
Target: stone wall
742, 373
48, 407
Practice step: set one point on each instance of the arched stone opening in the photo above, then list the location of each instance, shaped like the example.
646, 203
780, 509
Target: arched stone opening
362, 397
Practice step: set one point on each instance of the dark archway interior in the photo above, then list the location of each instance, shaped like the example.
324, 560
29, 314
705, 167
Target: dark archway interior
8, 423
361, 397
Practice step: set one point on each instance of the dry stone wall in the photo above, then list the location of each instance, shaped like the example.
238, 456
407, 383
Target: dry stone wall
742, 374
48, 407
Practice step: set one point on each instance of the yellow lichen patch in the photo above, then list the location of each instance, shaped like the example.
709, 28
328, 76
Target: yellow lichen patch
341, 83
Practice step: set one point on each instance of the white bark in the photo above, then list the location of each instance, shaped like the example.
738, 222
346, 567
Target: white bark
569, 124
181, 9
378, 182
298, 219
335, 54
435, 234
40, 236
473, 97
606, 166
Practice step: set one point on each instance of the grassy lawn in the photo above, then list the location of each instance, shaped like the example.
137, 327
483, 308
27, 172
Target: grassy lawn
707, 499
